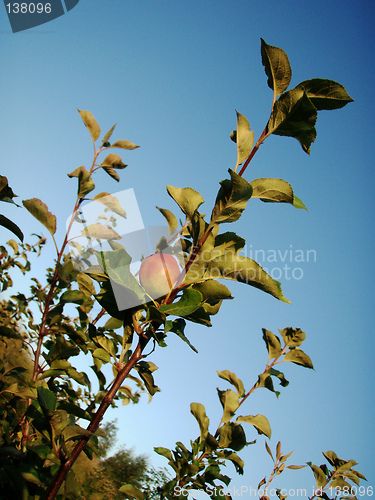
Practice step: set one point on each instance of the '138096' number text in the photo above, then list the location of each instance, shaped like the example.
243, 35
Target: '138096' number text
31, 8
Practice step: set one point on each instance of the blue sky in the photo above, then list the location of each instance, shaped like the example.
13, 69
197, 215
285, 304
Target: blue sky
171, 75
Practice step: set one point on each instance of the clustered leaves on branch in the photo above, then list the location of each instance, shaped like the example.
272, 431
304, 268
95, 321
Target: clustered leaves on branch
41, 415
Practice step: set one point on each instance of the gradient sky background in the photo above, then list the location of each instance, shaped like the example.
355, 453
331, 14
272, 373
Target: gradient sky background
171, 74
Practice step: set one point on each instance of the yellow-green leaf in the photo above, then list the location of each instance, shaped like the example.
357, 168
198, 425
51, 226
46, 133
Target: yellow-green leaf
244, 139
90, 123
40, 211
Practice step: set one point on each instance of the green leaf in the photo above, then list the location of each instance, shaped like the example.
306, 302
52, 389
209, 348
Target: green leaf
171, 220
178, 326
294, 115
58, 421
108, 134
117, 265
244, 139
260, 422
39, 210
124, 144
199, 412
212, 289
11, 226
75, 296
85, 182
277, 68
110, 202
234, 380
272, 343
100, 232
112, 173
299, 357
230, 401
91, 124
46, 398
340, 484
297, 203
131, 492
331, 457
276, 191
239, 268
107, 344
200, 316
232, 436
293, 337
9, 333
164, 452
101, 354
73, 409
85, 285
231, 199
325, 94
276, 373
113, 161
22, 392
320, 477
187, 199
188, 303
227, 242
232, 457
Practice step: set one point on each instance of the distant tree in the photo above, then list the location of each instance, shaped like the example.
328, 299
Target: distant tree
102, 477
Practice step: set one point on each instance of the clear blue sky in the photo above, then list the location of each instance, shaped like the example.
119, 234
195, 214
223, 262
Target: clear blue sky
171, 74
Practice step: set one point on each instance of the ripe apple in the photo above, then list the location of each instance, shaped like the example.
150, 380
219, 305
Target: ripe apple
158, 274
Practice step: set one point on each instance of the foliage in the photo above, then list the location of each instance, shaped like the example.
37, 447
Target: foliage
42, 407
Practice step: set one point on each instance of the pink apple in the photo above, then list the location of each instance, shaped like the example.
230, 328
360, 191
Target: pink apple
158, 274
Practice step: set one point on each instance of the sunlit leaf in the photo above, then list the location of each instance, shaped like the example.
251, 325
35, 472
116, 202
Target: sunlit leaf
232, 436
171, 220
113, 161
320, 477
260, 422
124, 144
199, 412
294, 115
239, 268
131, 492
91, 124
230, 401
111, 202
299, 357
277, 68
85, 182
178, 327
112, 173
272, 343
234, 380
100, 232
187, 199
325, 94
40, 211
275, 190
188, 303
244, 139
231, 199
108, 134
293, 337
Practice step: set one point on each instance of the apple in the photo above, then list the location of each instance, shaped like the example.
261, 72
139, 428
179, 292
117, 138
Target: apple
158, 274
